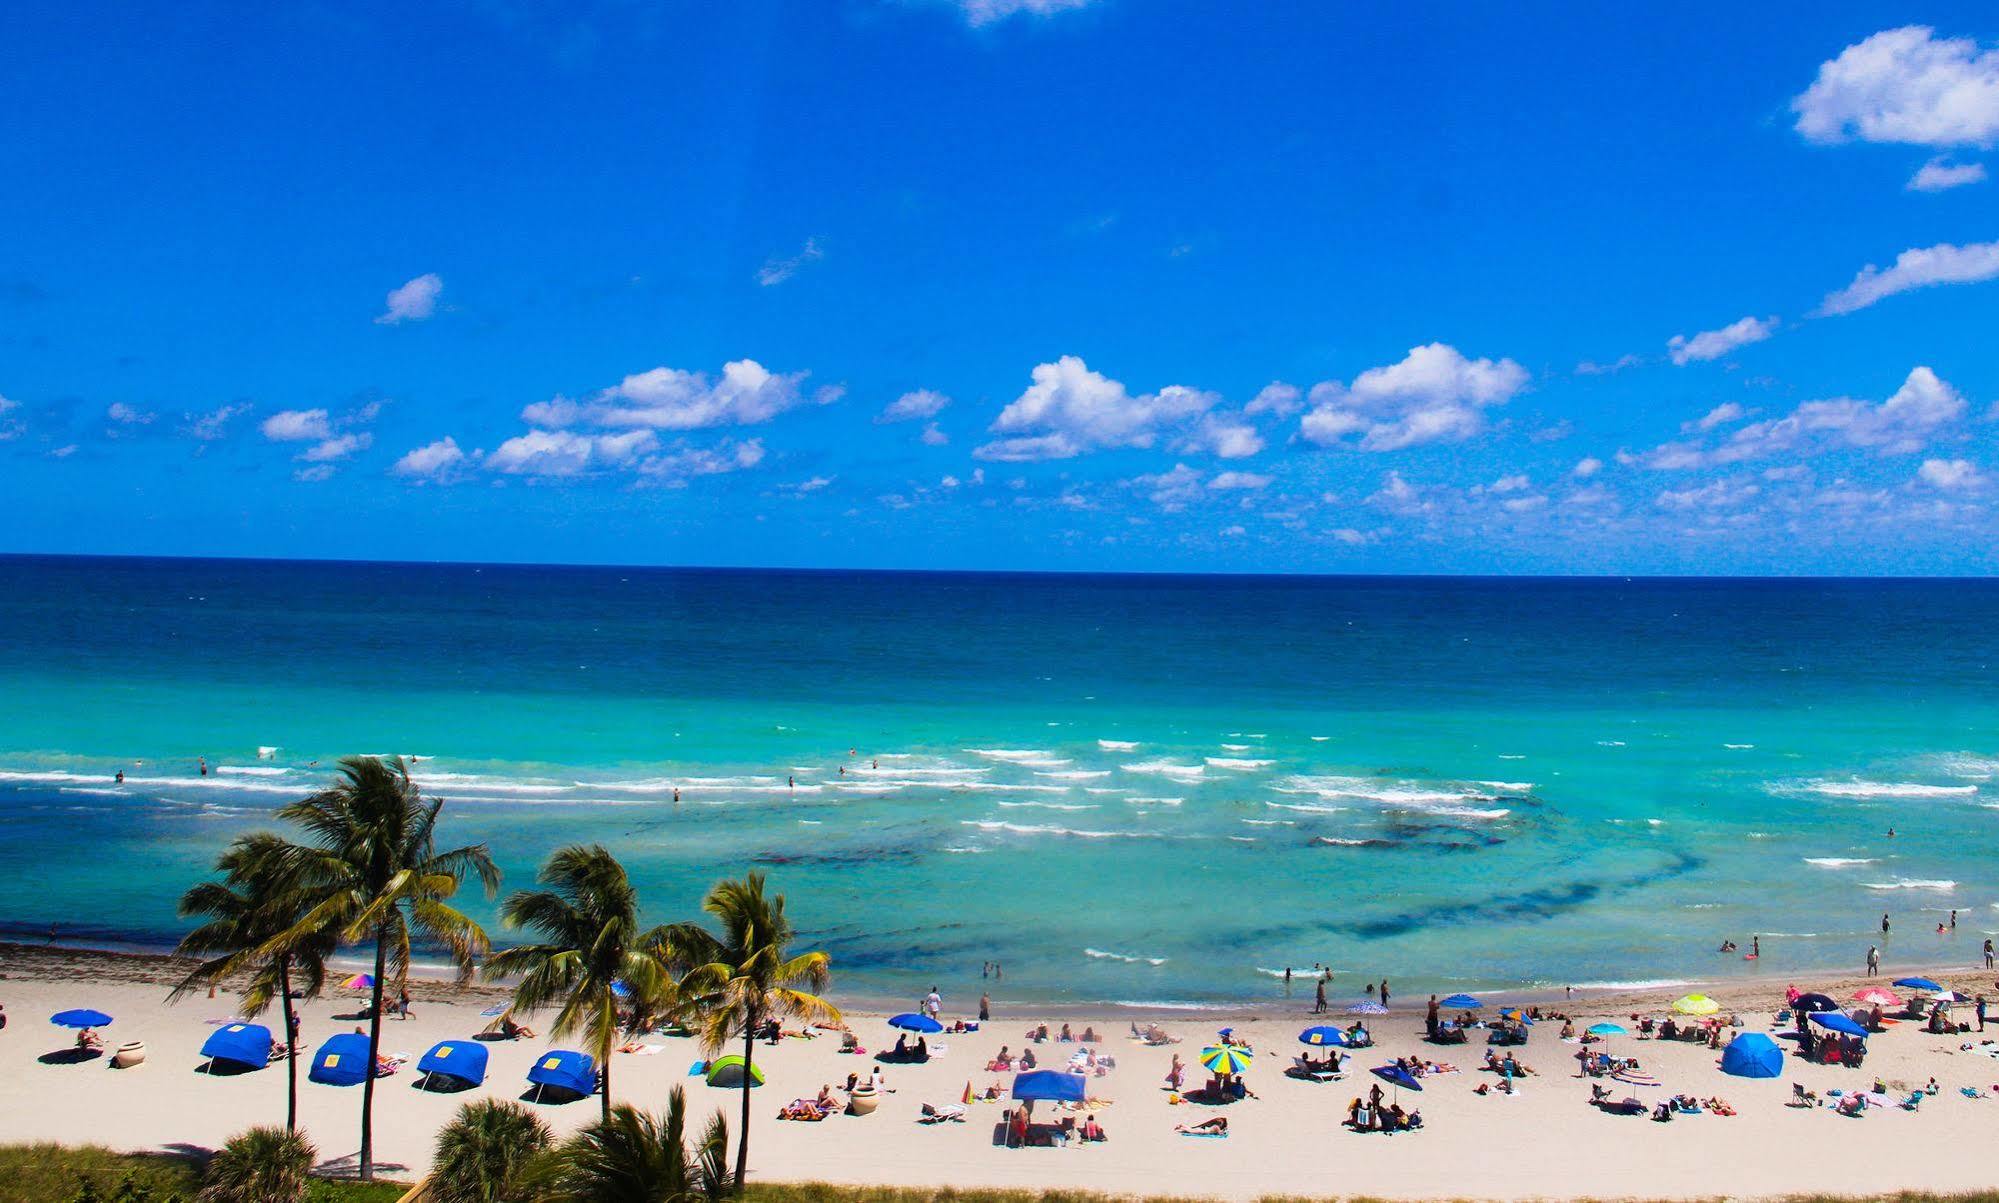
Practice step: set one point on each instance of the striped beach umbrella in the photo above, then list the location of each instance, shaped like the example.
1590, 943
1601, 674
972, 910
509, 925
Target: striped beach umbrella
360, 981
1365, 1007
1878, 997
1225, 1059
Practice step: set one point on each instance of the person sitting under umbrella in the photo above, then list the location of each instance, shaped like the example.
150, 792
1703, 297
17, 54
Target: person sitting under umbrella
87, 1038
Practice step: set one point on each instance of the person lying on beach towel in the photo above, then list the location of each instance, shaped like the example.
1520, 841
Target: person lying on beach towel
951, 1113
1218, 1126
1718, 1106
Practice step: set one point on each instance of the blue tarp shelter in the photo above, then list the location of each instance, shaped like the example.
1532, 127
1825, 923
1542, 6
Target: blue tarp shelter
342, 1061
565, 1070
1836, 1022
1752, 1055
461, 1059
243, 1043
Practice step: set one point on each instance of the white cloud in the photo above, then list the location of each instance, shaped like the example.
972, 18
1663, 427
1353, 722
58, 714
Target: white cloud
1509, 484
297, 426
1950, 474
338, 447
1224, 437
1940, 174
63, 452
914, 405
314, 474
215, 423
1434, 394
934, 437
1922, 267
1902, 424
1069, 410
413, 302
675, 468
985, 12
1720, 415
10, 427
431, 461
1353, 538
1713, 344
126, 415
816, 483
1721, 494
1586, 467
1589, 367
777, 271
747, 394
1173, 490
1905, 85
1239, 480
1277, 398
561, 453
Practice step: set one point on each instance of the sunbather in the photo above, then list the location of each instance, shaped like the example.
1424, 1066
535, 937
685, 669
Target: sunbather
1218, 1126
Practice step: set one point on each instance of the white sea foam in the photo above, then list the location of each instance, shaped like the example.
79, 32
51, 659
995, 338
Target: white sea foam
1239, 765
1271, 822
1025, 756
1913, 883
1075, 774
1166, 768
1243, 839
1305, 806
1155, 801
1839, 862
1510, 787
1236, 747
1052, 805
1101, 955
1117, 745
1511, 756
1656, 983
1319, 739
1049, 829
1102, 789
1609, 743
1739, 747
245, 770
1857, 788
233, 784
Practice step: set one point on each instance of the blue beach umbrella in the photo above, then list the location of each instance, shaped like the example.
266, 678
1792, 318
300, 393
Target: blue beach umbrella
1836, 1022
1053, 1085
1918, 983
1606, 1029
243, 1043
1462, 1002
911, 1021
1752, 1055
1323, 1036
82, 1017
464, 1060
341, 1061
1396, 1075
564, 1069
1811, 1003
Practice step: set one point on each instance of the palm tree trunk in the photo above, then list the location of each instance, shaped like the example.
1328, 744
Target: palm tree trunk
609, 1051
743, 1137
291, 1049
368, 1083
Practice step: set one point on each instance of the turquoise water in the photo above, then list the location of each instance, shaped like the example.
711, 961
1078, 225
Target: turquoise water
1159, 789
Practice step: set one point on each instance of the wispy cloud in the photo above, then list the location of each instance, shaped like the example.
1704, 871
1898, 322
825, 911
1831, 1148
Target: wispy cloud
1924, 267
1941, 174
1713, 344
414, 301
778, 270
985, 12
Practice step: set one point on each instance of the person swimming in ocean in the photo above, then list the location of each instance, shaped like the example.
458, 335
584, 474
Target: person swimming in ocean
120, 777
203, 762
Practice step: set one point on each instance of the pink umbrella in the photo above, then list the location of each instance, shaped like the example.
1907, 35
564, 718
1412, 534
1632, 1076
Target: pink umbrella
1876, 996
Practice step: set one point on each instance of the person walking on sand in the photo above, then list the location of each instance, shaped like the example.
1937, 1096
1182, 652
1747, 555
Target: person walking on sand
1873, 960
1981, 1012
1990, 956
403, 1001
985, 1007
933, 1003
1430, 1019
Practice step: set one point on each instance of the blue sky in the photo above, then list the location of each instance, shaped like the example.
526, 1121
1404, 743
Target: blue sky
1044, 284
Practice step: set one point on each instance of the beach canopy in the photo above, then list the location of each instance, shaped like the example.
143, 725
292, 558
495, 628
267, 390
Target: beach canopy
1225, 1059
728, 1071
1461, 1002
461, 1059
1398, 1075
1879, 997
1323, 1036
911, 1021
1752, 1055
1053, 1085
1918, 983
244, 1043
1696, 1004
1834, 1021
360, 981
1606, 1029
341, 1061
566, 1070
1815, 1002
1367, 1007
82, 1017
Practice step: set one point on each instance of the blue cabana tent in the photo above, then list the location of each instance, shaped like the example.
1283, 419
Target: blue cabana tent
565, 1070
1322, 1036
342, 1061
1055, 1085
910, 1021
1752, 1055
244, 1043
82, 1017
464, 1060
1834, 1021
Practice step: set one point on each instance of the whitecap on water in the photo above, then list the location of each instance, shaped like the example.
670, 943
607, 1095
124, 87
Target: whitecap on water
1857, 788
1101, 955
1913, 883
1840, 862
1117, 745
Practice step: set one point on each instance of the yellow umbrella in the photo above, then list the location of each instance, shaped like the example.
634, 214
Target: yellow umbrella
1697, 1004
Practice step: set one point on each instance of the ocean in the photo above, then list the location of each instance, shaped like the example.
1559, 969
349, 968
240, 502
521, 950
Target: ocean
1148, 789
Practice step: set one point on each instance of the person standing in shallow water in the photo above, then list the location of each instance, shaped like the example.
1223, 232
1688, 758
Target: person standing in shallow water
1319, 998
1384, 992
1873, 960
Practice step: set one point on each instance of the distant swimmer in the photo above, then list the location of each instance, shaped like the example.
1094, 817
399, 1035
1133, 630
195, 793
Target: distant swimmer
1728, 946
1755, 947
791, 783
120, 778
1884, 923
843, 770
676, 793
203, 761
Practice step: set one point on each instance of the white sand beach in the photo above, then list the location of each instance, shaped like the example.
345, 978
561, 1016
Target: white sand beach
1544, 1142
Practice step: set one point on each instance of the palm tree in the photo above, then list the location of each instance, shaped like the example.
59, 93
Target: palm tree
746, 976
378, 877
262, 1165
633, 1156
589, 921
257, 901
484, 1154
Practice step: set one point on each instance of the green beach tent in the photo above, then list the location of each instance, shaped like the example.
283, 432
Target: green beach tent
728, 1071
